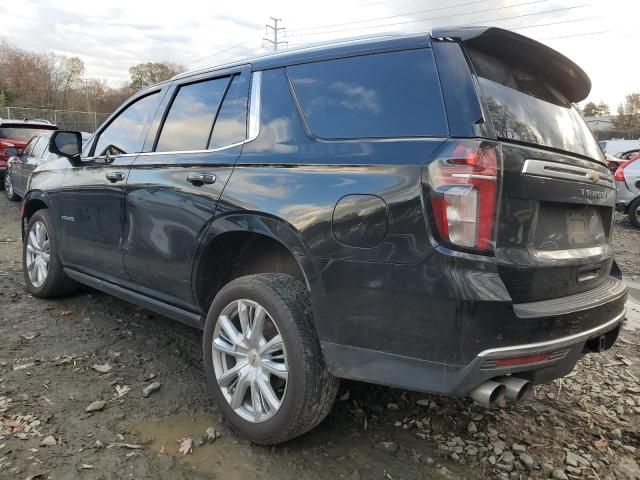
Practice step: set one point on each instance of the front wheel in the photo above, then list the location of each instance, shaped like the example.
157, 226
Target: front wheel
263, 360
43, 272
8, 188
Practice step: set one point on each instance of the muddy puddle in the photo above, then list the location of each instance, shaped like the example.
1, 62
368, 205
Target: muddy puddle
328, 452
224, 458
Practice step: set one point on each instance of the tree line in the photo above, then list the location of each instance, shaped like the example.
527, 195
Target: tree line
50, 81
627, 117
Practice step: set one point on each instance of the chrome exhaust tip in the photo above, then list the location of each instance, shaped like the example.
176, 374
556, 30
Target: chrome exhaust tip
515, 388
489, 393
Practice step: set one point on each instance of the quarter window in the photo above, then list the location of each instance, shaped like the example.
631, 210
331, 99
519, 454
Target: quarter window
189, 123
125, 134
393, 94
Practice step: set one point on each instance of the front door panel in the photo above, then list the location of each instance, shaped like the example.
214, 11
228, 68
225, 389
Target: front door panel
92, 214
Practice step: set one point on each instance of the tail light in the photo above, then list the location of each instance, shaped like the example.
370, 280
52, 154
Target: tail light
619, 175
7, 150
464, 193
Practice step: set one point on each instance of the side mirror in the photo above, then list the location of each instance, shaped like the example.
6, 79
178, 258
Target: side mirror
13, 160
68, 144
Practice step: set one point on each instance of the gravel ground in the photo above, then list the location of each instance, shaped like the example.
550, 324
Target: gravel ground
72, 374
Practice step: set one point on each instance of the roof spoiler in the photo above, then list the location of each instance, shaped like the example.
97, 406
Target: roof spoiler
522, 51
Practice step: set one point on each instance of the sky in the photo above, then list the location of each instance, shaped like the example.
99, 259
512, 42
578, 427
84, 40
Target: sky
109, 36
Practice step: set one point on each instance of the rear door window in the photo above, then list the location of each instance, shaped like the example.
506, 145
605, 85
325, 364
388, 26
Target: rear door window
189, 122
394, 94
231, 123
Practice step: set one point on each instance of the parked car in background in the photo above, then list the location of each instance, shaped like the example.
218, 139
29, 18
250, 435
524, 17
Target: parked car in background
20, 167
401, 210
627, 177
616, 146
627, 155
14, 135
612, 162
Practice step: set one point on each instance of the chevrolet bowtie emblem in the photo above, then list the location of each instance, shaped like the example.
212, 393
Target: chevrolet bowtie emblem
593, 176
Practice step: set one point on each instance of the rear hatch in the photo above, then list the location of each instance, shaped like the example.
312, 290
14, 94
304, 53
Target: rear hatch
557, 197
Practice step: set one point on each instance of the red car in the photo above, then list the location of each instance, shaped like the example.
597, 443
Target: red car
14, 135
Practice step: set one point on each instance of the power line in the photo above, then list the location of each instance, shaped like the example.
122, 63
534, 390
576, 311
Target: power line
218, 52
576, 35
557, 23
435, 18
392, 16
421, 20
275, 29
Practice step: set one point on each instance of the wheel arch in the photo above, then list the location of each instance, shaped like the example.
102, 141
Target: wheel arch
31, 203
242, 244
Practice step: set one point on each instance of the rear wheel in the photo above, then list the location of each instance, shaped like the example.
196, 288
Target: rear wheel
8, 188
634, 212
263, 360
43, 273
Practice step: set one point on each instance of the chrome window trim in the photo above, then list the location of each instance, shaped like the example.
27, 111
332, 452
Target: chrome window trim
254, 106
562, 171
254, 122
253, 128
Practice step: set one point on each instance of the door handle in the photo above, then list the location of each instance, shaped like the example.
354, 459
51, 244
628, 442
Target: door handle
199, 179
114, 177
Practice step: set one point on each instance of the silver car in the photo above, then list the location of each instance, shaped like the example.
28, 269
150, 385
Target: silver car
628, 190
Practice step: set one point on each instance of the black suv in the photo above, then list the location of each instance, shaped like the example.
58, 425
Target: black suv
426, 211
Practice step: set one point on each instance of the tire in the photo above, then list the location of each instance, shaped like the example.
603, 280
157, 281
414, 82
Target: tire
634, 212
310, 390
8, 188
53, 282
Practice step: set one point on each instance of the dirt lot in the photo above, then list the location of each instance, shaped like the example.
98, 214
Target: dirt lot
58, 357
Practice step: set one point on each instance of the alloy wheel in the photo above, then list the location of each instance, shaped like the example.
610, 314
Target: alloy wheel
38, 251
250, 360
8, 185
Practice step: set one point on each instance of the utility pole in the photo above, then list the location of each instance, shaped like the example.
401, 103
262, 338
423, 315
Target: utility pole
275, 29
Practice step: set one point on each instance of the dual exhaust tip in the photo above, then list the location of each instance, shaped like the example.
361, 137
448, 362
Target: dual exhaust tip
494, 391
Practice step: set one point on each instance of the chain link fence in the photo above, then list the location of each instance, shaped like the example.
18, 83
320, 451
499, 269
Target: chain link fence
64, 119
617, 134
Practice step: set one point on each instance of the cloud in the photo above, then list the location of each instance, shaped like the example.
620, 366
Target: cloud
111, 36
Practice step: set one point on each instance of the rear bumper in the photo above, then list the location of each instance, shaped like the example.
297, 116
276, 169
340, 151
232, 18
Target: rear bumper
398, 371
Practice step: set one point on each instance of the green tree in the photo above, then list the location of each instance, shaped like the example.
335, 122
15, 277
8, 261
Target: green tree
145, 74
603, 108
628, 117
590, 110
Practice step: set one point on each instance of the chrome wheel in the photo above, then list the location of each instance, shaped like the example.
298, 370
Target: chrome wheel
8, 186
38, 254
250, 360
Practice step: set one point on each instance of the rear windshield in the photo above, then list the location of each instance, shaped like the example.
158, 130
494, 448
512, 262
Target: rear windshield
525, 108
23, 134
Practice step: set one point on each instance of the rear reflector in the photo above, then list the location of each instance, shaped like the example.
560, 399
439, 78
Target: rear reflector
525, 360
463, 189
